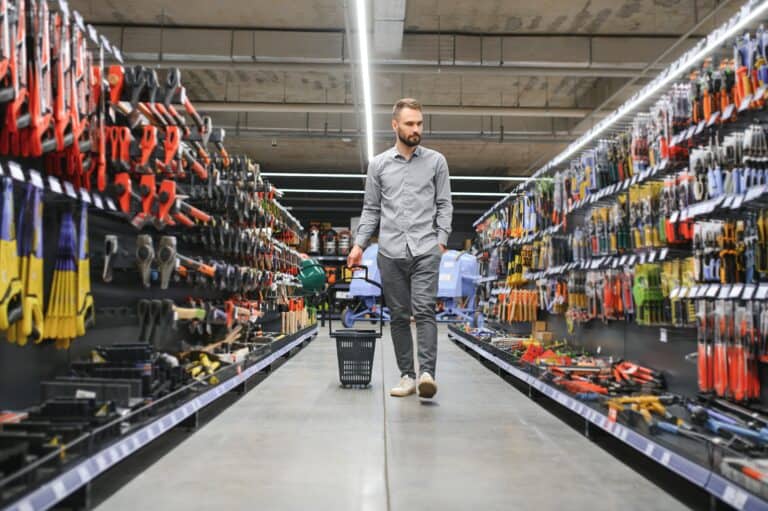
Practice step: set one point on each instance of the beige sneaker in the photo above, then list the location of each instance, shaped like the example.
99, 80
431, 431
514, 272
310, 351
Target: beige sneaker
406, 387
427, 386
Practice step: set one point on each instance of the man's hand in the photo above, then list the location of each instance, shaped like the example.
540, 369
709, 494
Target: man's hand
355, 257
443, 248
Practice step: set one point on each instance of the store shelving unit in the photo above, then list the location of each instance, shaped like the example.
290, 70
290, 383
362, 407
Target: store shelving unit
666, 457
78, 477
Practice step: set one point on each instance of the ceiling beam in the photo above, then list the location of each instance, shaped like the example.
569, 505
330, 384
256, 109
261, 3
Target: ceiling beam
508, 137
541, 69
388, 25
345, 108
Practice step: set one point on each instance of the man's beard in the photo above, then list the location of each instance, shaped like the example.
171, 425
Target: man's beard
412, 142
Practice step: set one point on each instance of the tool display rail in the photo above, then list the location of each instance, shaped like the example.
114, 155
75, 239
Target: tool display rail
56, 186
695, 473
604, 262
535, 236
84, 472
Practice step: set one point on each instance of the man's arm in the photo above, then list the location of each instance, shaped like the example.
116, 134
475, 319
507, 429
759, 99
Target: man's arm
443, 202
369, 219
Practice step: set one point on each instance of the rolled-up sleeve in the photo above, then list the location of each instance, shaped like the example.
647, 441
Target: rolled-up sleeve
369, 219
444, 217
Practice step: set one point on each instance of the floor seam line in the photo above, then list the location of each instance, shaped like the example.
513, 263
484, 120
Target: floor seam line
386, 443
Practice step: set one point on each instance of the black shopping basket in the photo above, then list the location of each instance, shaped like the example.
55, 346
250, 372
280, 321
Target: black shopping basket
355, 348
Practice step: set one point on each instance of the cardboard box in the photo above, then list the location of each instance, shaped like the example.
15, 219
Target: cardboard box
544, 336
540, 326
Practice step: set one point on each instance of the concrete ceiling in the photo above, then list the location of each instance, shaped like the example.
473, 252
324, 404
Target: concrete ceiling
506, 84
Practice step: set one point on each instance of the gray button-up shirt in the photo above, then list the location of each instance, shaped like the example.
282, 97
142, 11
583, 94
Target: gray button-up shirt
410, 202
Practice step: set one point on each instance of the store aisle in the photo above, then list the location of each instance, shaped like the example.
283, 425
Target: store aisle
299, 441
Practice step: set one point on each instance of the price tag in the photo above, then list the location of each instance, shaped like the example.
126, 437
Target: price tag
749, 291
16, 172
85, 196
728, 201
635, 178
105, 44
713, 119
70, 190
626, 184
54, 184
674, 293
632, 260
674, 216
755, 192
111, 204
762, 292
728, 112
36, 179
97, 201
745, 103
736, 291
665, 458
687, 292
663, 254
735, 497
663, 335
642, 258
595, 264
614, 262
713, 290
691, 131
760, 93
652, 256
738, 201
623, 260
592, 198
118, 54
92, 34
725, 292
701, 127
664, 163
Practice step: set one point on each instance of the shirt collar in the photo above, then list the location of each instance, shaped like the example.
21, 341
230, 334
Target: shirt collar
396, 154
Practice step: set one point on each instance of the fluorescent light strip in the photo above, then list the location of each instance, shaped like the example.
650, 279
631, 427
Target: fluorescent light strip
748, 13
362, 33
361, 192
362, 176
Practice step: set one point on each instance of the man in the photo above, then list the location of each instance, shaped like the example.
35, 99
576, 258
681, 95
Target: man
408, 196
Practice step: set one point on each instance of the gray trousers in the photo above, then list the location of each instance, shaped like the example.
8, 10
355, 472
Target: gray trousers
410, 287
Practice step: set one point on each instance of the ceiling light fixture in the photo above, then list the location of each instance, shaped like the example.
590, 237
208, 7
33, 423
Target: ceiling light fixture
362, 192
362, 34
332, 175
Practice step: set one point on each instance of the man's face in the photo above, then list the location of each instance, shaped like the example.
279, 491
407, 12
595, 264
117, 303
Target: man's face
407, 125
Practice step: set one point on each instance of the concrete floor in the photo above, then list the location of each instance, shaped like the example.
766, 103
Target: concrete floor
298, 441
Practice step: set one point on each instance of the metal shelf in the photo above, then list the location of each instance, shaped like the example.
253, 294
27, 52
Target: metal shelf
700, 476
59, 488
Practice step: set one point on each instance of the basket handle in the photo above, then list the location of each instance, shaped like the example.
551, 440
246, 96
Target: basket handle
381, 300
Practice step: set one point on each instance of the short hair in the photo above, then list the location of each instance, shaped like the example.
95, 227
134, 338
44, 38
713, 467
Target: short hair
405, 103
